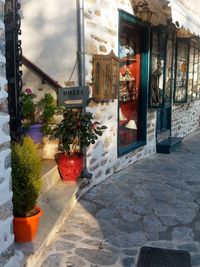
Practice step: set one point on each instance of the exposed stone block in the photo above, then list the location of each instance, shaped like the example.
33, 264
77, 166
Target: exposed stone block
102, 48
4, 105
6, 210
97, 13
5, 255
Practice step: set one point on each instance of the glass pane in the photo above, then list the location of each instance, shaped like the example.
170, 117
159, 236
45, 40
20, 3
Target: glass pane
130, 131
107, 80
181, 72
168, 72
191, 73
196, 77
97, 78
158, 57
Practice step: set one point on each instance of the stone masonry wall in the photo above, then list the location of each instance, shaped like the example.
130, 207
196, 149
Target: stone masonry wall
8, 256
6, 234
185, 118
101, 36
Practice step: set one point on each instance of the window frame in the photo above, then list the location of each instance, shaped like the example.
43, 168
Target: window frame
123, 15
190, 42
158, 29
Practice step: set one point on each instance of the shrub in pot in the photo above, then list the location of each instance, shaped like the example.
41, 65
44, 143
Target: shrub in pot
37, 116
26, 185
75, 130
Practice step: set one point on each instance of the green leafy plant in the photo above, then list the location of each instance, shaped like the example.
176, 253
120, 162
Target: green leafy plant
77, 129
28, 107
48, 107
38, 112
26, 180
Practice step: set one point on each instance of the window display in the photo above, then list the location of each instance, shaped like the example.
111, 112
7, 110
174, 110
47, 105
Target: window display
131, 111
158, 62
168, 71
187, 76
196, 76
181, 71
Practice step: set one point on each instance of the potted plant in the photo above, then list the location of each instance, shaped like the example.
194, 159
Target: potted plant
37, 116
26, 185
75, 130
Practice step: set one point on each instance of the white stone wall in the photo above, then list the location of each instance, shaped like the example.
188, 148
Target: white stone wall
101, 36
8, 256
31, 80
6, 234
185, 118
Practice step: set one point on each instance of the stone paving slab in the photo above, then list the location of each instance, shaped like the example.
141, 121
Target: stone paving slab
155, 202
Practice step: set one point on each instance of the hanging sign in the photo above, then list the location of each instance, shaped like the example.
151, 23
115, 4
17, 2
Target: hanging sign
73, 97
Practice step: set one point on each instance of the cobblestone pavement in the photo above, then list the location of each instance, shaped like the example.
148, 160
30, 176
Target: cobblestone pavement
155, 202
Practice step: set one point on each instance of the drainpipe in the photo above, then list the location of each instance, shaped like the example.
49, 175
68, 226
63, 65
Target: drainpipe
81, 67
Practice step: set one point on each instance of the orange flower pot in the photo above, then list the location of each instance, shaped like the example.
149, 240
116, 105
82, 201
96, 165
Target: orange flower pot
25, 228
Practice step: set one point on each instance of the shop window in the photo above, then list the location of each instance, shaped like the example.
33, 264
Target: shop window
157, 68
133, 54
187, 77
160, 67
196, 75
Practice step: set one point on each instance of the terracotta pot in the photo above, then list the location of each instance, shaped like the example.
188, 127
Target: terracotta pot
25, 228
70, 167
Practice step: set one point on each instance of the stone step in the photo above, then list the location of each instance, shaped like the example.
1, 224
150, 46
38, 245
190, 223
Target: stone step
168, 145
56, 204
50, 174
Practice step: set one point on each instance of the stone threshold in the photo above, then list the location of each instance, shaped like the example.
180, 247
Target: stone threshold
56, 203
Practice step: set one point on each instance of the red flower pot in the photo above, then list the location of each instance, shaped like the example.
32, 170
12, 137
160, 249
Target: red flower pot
25, 228
70, 167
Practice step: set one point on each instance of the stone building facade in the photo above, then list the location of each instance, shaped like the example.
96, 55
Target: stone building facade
8, 256
101, 23
101, 36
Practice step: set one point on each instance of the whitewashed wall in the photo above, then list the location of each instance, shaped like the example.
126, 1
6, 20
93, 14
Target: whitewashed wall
49, 37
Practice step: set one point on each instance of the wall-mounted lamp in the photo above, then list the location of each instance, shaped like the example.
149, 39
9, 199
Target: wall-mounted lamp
144, 12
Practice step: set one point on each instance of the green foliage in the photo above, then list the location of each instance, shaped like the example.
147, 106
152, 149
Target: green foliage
38, 112
28, 106
76, 129
48, 107
26, 181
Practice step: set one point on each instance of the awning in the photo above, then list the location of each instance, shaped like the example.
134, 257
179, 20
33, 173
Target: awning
185, 17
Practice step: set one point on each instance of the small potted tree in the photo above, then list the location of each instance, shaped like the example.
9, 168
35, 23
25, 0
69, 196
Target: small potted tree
26, 185
37, 116
74, 131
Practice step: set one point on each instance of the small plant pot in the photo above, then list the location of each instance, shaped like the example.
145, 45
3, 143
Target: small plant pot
35, 133
70, 167
25, 228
